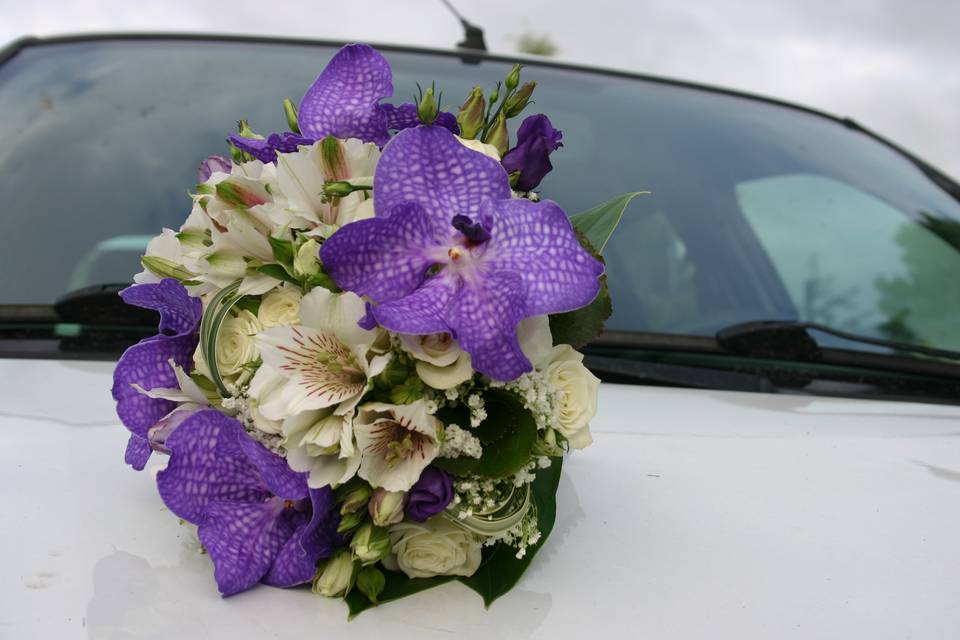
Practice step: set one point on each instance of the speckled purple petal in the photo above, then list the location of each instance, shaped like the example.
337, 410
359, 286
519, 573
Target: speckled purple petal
179, 313
147, 364
427, 165
404, 116
311, 542
320, 539
484, 318
138, 452
421, 312
211, 165
207, 464
276, 475
243, 540
382, 258
536, 241
343, 101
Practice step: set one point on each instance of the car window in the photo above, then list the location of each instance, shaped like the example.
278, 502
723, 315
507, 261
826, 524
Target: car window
757, 211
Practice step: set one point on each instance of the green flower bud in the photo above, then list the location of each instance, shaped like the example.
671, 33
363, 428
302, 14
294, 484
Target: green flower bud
350, 521
513, 78
290, 110
370, 544
428, 109
356, 499
164, 268
386, 507
305, 262
518, 101
495, 95
332, 163
336, 576
342, 188
236, 196
470, 117
498, 136
243, 127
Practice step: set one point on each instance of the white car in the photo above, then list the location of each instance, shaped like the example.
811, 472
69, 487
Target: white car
748, 479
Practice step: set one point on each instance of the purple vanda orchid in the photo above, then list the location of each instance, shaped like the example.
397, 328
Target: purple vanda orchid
344, 102
256, 517
147, 363
451, 251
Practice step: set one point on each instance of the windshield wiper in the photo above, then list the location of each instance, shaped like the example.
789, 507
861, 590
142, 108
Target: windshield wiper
790, 340
640, 371
102, 305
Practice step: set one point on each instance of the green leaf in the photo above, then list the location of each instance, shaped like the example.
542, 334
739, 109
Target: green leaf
396, 585
598, 223
507, 434
370, 582
249, 303
462, 466
581, 326
321, 280
282, 251
501, 570
277, 271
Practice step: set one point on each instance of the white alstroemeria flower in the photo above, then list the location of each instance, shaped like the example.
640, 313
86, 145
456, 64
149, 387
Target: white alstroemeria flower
396, 443
321, 442
323, 361
301, 176
187, 391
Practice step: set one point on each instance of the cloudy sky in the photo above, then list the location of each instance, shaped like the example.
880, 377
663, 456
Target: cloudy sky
894, 65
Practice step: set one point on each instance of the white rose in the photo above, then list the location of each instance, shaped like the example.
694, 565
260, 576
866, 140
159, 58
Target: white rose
577, 391
441, 363
436, 547
336, 576
235, 346
481, 147
279, 308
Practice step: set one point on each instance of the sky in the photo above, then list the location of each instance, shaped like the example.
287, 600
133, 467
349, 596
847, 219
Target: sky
890, 64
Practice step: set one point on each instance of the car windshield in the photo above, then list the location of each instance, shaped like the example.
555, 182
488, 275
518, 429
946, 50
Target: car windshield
757, 210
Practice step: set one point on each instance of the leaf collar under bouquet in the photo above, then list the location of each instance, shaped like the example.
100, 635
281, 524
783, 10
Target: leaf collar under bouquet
364, 376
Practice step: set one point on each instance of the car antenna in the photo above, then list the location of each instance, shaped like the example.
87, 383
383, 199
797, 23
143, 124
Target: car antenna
472, 34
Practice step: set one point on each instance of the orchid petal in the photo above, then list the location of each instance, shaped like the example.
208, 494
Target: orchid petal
179, 313
429, 166
421, 312
484, 321
243, 540
536, 241
383, 259
278, 477
343, 101
207, 465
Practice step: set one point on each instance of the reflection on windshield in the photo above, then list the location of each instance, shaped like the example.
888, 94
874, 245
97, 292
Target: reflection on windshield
757, 211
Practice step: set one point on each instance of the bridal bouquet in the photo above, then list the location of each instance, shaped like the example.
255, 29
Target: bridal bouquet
365, 376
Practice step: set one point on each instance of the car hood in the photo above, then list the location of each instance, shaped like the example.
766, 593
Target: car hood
695, 514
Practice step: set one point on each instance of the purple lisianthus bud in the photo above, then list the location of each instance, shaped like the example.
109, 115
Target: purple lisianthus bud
211, 165
430, 494
536, 140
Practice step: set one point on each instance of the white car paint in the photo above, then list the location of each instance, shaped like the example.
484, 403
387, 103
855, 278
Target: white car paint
695, 515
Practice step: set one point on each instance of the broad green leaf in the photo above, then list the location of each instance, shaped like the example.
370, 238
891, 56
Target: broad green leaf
462, 466
501, 570
598, 223
395, 586
579, 327
507, 434
370, 582
249, 303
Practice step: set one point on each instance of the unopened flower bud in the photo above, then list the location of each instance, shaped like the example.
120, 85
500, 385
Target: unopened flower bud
305, 261
243, 127
335, 576
350, 520
337, 189
370, 544
495, 94
470, 117
290, 110
386, 507
237, 196
356, 499
513, 78
518, 101
498, 136
427, 109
